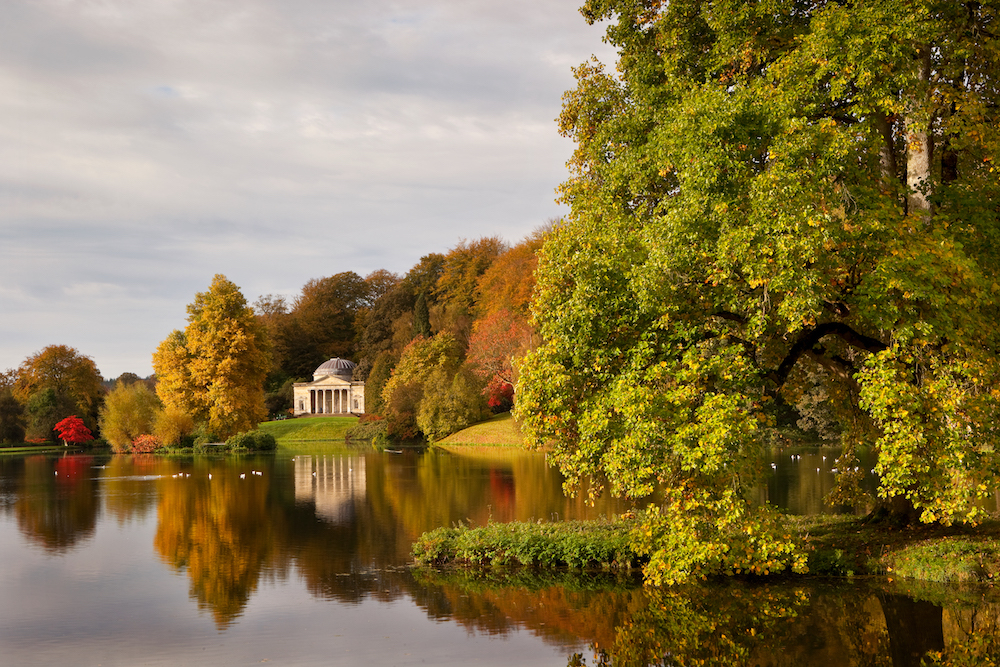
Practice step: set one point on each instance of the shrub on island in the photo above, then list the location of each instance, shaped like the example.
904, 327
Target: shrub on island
252, 441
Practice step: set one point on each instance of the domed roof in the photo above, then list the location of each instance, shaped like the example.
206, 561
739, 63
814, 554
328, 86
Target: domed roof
340, 367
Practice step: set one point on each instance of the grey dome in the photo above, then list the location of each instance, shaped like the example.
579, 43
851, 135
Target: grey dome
338, 367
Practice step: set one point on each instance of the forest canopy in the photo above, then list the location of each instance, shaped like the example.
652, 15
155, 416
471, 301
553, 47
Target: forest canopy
782, 213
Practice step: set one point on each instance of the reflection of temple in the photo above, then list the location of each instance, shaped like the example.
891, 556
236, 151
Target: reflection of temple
332, 483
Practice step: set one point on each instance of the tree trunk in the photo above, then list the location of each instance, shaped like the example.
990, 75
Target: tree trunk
897, 512
919, 143
887, 154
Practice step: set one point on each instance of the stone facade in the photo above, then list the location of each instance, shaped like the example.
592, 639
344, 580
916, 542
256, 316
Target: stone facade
332, 392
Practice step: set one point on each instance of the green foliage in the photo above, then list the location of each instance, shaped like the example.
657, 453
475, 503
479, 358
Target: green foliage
46, 408
743, 236
707, 532
278, 400
451, 402
431, 390
252, 441
375, 431
421, 317
380, 373
948, 560
129, 411
202, 435
11, 418
603, 544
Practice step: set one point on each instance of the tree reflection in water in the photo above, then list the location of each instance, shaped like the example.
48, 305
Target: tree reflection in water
214, 521
346, 531
728, 623
56, 504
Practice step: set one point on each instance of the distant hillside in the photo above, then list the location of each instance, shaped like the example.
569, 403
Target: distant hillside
500, 431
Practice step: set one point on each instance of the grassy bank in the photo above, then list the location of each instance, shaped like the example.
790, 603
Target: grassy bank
946, 554
585, 544
308, 429
500, 431
836, 546
29, 449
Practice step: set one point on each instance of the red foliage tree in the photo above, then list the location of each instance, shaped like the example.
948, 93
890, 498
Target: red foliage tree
496, 341
72, 429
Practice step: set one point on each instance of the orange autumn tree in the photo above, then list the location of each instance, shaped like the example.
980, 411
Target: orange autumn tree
215, 369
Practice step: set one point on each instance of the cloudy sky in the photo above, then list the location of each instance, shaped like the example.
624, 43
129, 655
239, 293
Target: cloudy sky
146, 145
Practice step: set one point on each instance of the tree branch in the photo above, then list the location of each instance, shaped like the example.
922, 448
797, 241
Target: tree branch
810, 337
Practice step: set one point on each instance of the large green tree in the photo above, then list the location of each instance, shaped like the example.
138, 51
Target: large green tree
215, 369
772, 200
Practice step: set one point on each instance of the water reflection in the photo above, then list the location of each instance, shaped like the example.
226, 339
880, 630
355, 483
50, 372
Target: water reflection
332, 483
340, 525
725, 623
217, 524
56, 502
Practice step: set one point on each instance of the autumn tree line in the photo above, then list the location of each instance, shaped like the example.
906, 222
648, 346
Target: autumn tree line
435, 347
781, 214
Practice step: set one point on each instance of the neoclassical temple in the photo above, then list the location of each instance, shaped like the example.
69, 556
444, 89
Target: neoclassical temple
332, 392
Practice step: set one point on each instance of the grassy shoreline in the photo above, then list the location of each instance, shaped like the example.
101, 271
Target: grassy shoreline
308, 429
836, 546
498, 431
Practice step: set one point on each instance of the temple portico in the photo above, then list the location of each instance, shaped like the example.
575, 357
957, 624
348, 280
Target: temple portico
332, 392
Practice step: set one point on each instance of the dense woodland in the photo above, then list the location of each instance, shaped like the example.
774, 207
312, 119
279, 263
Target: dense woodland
435, 347
779, 210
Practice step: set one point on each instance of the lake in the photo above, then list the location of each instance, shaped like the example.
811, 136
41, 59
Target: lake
303, 559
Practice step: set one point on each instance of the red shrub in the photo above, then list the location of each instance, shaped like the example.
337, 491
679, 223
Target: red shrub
146, 444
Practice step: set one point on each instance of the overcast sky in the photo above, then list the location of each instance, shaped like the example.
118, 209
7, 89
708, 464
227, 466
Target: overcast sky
146, 145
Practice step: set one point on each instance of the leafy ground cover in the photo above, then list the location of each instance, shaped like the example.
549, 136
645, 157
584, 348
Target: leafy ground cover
836, 546
585, 544
308, 429
499, 431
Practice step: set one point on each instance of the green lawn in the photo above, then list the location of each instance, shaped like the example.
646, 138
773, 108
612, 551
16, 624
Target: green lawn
500, 431
26, 449
309, 429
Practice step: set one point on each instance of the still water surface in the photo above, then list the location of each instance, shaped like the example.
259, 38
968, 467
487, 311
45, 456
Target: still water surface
302, 559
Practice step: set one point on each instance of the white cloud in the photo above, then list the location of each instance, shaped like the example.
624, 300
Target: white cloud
149, 145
